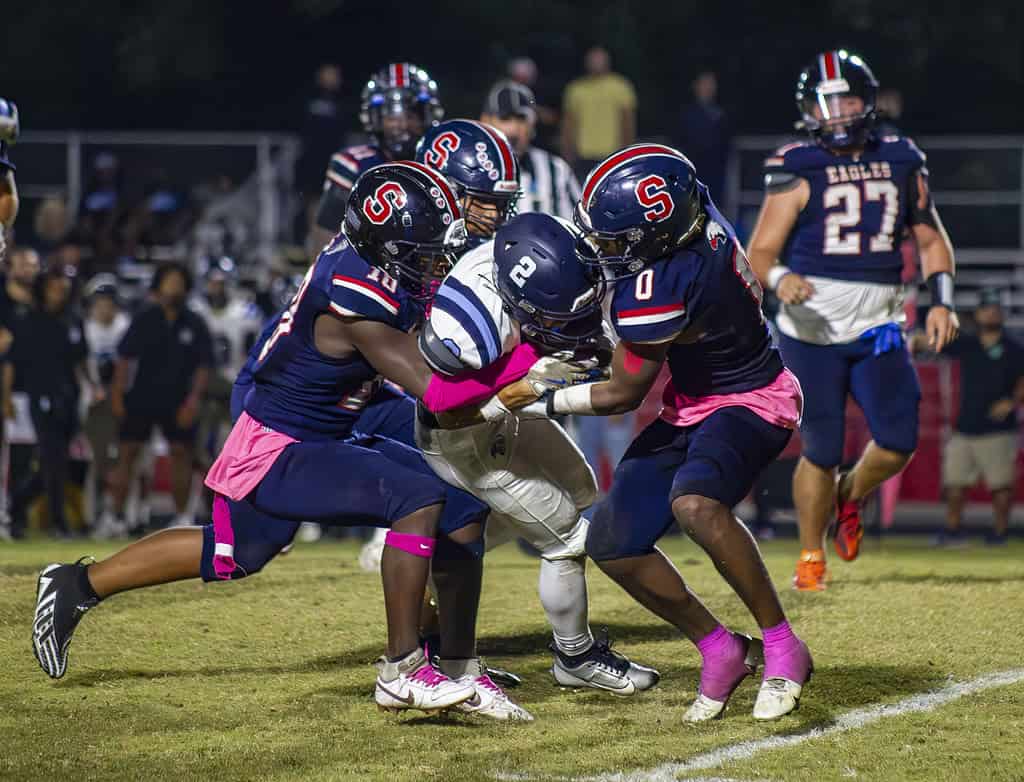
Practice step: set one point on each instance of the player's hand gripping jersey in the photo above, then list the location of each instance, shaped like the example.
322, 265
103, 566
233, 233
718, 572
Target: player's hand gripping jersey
298, 390
847, 238
707, 302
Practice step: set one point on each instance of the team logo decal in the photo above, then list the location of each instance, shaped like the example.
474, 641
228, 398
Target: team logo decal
442, 148
716, 235
385, 199
652, 192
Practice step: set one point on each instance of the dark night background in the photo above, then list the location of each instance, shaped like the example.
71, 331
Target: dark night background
247, 65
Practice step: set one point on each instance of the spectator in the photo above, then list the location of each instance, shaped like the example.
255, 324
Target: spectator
105, 325
325, 123
598, 113
704, 134
17, 303
984, 441
523, 70
547, 182
49, 363
234, 322
101, 211
160, 377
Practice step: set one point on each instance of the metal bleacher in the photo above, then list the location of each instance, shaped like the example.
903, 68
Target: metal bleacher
977, 183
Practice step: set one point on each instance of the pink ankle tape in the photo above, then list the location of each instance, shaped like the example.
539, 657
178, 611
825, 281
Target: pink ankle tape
416, 545
779, 634
714, 642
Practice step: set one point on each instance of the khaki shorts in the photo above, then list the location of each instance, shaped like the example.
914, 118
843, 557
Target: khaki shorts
989, 456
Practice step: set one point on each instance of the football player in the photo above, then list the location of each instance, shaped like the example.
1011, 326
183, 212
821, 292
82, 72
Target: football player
522, 297
684, 294
9, 128
290, 456
837, 208
399, 103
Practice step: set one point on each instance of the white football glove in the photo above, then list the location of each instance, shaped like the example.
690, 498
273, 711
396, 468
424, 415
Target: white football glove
559, 371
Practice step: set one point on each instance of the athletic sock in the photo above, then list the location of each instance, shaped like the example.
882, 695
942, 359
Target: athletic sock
812, 555
719, 641
724, 667
785, 655
563, 594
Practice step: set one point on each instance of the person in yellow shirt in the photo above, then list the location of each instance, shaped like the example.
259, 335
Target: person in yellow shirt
599, 113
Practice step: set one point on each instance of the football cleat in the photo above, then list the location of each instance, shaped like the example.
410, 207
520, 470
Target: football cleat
490, 700
779, 695
848, 527
413, 683
109, 526
603, 669
705, 707
60, 605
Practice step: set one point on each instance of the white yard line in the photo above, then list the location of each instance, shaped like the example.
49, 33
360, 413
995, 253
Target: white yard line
851, 720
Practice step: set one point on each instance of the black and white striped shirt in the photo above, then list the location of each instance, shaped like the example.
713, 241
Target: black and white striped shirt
548, 184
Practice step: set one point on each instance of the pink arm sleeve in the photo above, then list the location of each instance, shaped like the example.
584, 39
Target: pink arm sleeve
475, 386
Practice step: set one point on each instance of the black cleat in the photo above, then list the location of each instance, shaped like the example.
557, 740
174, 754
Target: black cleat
60, 605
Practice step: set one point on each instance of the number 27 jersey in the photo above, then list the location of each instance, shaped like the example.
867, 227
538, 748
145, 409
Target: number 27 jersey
858, 208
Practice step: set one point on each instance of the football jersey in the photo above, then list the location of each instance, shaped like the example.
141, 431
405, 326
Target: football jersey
232, 329
858, 209
302, 392
348, 163
706, 301
467, 314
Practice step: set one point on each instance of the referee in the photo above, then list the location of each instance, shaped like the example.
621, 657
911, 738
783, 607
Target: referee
547, 182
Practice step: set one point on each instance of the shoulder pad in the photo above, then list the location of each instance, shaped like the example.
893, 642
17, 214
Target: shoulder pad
651, 307
360, 290
902, 149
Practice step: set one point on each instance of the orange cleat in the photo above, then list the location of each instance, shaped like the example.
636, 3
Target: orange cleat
849, 530
811, 573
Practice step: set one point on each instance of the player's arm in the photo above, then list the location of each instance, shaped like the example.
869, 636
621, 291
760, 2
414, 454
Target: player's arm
392, 352
8, 199
937, 265
786, 196
342, 172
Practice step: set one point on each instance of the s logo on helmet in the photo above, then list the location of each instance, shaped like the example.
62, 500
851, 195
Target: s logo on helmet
443, 146
385, 199
652, 192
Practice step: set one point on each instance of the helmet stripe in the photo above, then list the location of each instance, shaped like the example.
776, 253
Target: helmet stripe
440, 181
507, 164
830, 65
400, 74
619, 158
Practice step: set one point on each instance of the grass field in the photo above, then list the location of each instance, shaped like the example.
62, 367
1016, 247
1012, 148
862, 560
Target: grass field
271, 679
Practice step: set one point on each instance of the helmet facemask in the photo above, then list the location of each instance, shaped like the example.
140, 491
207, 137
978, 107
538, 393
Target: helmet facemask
397, 120
420, 267
485, 213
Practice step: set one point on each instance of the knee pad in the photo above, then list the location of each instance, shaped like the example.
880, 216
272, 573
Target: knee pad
448, 550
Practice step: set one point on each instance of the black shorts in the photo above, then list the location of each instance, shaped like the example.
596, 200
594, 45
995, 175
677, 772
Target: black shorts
137, 426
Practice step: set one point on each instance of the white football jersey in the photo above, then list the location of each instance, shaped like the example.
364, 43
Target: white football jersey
233, 329
839, 311
467, 315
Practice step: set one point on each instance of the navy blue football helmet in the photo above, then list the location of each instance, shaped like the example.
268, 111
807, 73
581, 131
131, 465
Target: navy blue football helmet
9, 129
823, 95
405, 218
480, 162
638, 205
543, 283
399, 103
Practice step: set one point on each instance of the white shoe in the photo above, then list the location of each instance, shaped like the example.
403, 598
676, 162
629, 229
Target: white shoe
181, 520
489, 700
602, 669
370, 555
777, 697
413, 683
308, 532
109, 526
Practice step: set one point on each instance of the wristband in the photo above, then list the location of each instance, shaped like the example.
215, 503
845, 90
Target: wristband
775, 275
494, 409
574, 400
940, 286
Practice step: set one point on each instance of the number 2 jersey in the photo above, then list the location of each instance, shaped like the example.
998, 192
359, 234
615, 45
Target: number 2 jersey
847, 237
302, 392
705, 300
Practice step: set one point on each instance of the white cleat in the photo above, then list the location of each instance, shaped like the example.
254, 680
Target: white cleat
704, 709
489, 700
370, 555
308, 532
777, 698
413, 683
602, 669
109, 527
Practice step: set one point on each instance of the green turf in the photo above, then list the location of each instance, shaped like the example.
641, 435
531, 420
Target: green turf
271, 679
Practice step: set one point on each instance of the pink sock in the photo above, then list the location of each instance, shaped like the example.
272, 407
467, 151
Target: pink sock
779, 636
718, 641
785, 654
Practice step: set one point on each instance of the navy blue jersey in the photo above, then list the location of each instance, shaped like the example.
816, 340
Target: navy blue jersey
706, 300
300, 391
858, 209
348, 163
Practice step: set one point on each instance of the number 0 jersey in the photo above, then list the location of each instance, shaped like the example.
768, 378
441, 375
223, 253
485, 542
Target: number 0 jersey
302, 392
847, 238
706, 301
